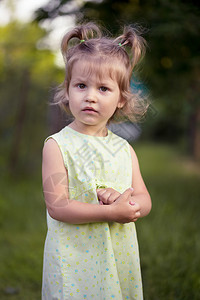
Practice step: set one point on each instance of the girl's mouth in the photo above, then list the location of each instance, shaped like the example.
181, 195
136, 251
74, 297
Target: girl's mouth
89, 110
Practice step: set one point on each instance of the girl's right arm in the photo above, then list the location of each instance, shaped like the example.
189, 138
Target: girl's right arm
61, 208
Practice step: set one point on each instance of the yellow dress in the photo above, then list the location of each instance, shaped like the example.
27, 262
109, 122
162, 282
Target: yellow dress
96, 260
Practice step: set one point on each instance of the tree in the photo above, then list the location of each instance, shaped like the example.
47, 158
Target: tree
26, 73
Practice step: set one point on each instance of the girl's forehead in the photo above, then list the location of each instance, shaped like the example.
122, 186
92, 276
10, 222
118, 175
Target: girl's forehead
98, 70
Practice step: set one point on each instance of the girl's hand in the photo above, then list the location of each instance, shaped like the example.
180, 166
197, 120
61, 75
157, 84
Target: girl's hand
124, 209
107, 195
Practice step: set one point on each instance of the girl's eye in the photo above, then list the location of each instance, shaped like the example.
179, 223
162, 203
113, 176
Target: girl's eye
103, 89
81, 86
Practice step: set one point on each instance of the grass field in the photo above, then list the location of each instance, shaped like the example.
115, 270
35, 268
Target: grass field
169, 237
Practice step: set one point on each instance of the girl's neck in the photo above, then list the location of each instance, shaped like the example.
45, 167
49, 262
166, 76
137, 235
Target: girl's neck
89, 130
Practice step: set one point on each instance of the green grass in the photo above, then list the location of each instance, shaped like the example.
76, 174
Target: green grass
22, 233
169, 237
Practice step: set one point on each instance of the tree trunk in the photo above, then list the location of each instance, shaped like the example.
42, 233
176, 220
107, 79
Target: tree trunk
196, 143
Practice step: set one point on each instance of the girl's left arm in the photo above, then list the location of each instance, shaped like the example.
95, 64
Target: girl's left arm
140, 194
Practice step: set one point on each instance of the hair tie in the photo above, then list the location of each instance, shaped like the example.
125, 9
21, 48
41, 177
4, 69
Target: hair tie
82, 41
120, 44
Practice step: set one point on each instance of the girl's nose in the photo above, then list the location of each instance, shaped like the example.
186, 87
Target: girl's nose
91, 95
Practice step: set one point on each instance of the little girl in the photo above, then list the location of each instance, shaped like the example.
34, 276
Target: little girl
93, 188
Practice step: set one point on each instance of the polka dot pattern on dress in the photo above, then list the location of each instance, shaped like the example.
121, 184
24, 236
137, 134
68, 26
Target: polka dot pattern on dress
96, 260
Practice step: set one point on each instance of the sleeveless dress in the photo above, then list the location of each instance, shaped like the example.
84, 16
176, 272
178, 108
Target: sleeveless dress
97, 261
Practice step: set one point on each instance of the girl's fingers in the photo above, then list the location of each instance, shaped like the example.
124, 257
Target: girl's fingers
100, 192
137, 214
113, 197
107, 195
125, 195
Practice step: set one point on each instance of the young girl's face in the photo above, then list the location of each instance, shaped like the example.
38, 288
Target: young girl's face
92, 99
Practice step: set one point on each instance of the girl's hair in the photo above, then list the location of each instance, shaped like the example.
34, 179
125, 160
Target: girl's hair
105, 55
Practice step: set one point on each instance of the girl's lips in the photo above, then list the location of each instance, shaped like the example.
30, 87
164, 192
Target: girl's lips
89, 110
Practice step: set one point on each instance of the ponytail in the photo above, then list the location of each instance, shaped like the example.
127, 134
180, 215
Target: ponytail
82, 33
132, 38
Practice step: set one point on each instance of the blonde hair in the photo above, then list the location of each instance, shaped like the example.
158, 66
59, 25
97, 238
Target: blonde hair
117, 56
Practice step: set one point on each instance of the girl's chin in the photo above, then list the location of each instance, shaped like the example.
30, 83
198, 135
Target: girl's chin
90, 127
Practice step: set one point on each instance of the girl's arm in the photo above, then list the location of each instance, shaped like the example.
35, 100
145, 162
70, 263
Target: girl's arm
140, 194
61, 208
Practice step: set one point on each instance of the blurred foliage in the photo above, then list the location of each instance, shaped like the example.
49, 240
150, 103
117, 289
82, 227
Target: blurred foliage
171, 68
26, 73
170, 72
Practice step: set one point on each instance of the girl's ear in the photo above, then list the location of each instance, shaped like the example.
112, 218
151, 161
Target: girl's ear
66, 94
121, 102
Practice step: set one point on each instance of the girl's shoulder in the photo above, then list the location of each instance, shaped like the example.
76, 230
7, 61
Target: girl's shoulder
57, 135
